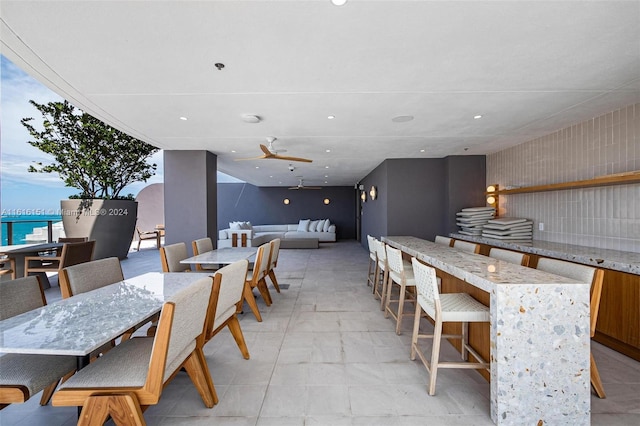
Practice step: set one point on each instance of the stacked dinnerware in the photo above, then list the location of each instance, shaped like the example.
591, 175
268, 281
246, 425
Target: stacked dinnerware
513, 229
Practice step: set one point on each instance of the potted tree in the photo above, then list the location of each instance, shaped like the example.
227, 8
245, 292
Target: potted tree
98, 160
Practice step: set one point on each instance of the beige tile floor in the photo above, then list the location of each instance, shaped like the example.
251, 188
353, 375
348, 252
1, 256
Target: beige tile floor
325, 355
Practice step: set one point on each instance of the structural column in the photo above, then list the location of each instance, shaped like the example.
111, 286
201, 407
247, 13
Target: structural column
190, 196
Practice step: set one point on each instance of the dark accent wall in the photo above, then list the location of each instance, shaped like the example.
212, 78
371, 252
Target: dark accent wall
190, 196
421, 197
264, 206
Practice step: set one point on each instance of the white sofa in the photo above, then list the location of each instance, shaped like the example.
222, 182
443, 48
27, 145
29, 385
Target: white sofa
260, 234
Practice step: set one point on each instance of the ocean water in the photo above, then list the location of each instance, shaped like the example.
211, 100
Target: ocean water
23, 225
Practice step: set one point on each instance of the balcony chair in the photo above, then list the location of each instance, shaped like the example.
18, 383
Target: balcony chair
466, 246
373, 260
170, 257
273, 262
8, 267
200, 246
228, 288
591, 275
131, 377
71, 254
401, 274
509, 256
256, 278
448, 307
24, 375
149, 235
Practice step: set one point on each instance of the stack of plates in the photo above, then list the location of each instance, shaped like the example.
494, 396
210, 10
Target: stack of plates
513, 229
472, 219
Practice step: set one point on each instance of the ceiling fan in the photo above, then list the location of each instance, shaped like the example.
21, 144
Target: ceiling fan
271, 153
301, 186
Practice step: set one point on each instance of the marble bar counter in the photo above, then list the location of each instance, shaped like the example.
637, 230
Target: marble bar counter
615, 260
538, 331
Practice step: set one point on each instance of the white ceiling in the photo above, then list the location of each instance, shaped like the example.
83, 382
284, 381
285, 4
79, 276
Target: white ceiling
529, 68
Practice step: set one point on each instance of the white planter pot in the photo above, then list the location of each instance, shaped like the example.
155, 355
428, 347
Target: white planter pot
111, 223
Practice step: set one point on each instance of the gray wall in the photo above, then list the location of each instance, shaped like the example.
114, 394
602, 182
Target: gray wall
264, 206
190, 196
420, 197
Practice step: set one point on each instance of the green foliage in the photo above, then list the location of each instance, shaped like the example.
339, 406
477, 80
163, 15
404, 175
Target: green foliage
88, 154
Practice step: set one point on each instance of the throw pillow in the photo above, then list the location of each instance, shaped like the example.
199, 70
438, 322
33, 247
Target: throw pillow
313, 225
320, 226
303, 225
245, 225
326, 225
234, 225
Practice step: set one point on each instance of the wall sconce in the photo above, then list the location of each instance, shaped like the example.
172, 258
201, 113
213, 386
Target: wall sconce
373, 193
326, 201
493, 197
363, 196
286, 201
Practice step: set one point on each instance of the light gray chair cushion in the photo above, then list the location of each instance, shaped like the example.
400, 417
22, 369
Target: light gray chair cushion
574, 271
95, 274
35, 372
233, 278
174, 254
19, 296
506, 255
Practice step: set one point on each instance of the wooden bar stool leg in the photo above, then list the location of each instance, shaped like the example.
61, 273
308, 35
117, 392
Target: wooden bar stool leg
595, 380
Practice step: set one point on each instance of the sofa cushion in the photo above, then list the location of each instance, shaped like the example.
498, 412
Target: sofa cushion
313, 225
325, 227
270, 228
303, 225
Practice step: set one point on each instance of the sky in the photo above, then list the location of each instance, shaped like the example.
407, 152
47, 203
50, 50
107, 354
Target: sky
21, 191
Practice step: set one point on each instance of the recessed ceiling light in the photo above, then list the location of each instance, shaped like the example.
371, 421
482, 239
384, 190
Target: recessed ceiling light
257, 167
326, 181
326, 167
271, 177
331, 117
477, 117
402, 118
183, 118
327, 150
250, 118
326, 175
422, 150
233, 150
338, 2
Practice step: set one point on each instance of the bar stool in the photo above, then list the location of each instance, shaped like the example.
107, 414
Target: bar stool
381, 274
448, 307
509, 256
466, 246
587, 274
373, 260
444, 240
400, 273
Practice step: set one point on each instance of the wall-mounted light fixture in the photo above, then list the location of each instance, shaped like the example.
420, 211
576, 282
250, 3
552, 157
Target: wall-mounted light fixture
493, 197
363, 196
286, 201
326, 201
373, 193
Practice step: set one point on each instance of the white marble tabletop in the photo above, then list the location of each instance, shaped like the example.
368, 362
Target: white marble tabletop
83, 323
616, 260
223, 256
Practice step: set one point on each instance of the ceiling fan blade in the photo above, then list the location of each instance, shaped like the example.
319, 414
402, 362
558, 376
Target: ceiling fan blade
293, 187
266, 151
284, 157
252, 158
311, 187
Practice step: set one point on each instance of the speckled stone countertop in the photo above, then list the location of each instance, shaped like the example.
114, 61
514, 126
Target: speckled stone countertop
538, 331
622, 261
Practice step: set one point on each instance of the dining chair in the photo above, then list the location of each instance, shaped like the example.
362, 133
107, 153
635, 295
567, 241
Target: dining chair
8, 267
71, 254
256, 278
382, 273
131, 377
273, 262
228, 288
170, 257
401, 274
441, 308
24, 375
148, 235
200, 246
373, 260
466, 246
88, 276
595, 277
509, 256
444, 240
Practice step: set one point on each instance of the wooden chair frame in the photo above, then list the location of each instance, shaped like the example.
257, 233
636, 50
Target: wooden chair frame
71, 254
12, 267
273, 262
258, 280
149, 235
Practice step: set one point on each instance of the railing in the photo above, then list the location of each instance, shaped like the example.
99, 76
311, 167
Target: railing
9, 228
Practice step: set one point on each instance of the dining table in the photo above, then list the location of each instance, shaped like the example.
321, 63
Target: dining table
19, 251
79, 325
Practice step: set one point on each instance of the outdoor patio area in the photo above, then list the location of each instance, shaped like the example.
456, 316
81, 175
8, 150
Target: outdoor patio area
325, 355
